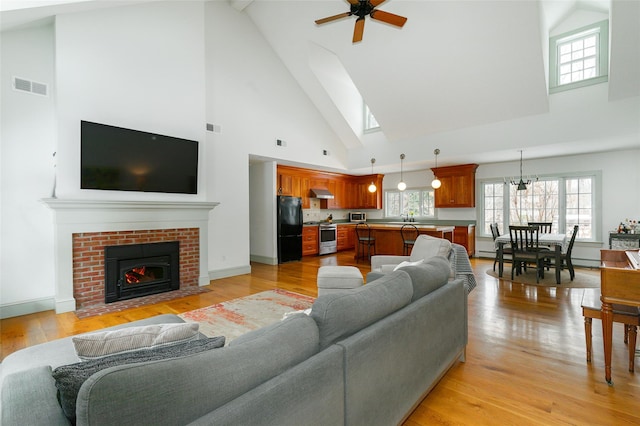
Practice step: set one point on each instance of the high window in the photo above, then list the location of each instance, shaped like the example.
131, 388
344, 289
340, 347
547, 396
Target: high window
579, 58
370, 122
418, 202
565, 201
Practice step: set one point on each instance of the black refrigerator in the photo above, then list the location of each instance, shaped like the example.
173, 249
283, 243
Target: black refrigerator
289, 228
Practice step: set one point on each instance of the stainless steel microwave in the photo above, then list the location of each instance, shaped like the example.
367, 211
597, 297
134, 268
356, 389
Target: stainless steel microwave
357, 217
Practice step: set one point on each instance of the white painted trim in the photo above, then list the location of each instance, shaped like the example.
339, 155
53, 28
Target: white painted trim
229, 272
264, 259
27, 307
74, 216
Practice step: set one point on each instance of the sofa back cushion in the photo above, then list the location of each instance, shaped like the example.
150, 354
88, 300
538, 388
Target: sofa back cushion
427, 246
339, 315
181, 390
433, 273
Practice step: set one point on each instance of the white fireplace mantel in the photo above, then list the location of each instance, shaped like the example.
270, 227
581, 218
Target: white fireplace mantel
75, 216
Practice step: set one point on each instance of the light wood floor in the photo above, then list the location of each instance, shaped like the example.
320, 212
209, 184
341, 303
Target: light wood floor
525, 359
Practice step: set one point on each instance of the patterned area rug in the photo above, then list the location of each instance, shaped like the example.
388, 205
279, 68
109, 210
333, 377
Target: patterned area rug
238, 316
585, 277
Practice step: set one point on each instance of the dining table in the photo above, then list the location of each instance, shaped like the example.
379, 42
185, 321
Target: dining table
556, 241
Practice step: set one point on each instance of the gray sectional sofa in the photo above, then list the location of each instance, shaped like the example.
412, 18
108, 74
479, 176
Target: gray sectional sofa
367, 356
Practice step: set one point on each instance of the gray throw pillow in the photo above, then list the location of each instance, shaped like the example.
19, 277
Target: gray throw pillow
69, 378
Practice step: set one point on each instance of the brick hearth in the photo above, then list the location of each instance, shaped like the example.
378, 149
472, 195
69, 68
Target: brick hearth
88, 265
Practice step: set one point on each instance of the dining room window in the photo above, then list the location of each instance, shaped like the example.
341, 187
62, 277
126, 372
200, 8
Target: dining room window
565, 201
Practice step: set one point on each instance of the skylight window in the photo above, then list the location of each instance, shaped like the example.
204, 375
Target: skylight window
370, 122
579, 58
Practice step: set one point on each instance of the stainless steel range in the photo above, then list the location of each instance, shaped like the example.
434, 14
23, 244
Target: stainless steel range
328, 238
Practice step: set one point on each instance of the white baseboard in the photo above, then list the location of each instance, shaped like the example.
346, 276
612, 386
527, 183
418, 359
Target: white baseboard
264, 259
229, 272
25, 308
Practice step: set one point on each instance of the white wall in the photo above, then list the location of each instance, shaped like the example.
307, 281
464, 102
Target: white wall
139, 67
255, 100
28, 131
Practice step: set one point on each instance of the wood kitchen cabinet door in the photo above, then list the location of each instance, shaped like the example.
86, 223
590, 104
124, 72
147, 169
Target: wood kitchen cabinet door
285, 184
310, 240
458, 186
345, 237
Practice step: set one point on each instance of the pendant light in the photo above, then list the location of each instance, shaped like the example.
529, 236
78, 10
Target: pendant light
522, 185
401, 185
372, 187
435, 183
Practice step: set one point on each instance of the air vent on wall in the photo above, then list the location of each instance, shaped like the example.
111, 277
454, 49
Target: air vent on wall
24, 85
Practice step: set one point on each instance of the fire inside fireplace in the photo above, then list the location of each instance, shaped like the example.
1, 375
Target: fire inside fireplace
138, 270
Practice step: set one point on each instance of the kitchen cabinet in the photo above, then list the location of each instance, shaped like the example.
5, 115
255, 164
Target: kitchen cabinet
305, 186
466, 236
309, 240
458, 186
366, 199
285, 184
346, 237
350, 192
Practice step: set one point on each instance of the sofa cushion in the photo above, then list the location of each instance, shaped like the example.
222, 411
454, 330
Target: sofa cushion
433, 273
406, 263
104, 343
427, 246
69, 378
341, 315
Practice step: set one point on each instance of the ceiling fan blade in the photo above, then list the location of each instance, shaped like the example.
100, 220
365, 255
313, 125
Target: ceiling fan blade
358, 30
354, 2
375, 3
332, 18
389, 18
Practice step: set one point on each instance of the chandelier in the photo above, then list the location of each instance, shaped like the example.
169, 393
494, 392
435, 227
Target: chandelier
521, 184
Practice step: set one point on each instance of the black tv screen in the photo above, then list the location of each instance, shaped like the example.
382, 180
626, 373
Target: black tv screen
113, 158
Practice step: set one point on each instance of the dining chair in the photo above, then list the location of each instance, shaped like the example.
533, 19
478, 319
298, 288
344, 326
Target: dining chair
409, 234
544, 227
565, 257
525, 250
506, 248
365, 240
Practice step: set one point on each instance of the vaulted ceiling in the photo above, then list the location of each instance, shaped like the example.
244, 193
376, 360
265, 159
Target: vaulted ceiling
469, 77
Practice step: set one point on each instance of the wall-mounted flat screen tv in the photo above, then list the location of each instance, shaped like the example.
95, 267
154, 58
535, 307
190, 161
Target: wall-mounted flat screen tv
113, 158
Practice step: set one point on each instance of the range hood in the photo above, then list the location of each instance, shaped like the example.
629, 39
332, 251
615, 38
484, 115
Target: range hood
323, 194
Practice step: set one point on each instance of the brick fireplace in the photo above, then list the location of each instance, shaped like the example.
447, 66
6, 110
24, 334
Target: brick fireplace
84, 227
89, 254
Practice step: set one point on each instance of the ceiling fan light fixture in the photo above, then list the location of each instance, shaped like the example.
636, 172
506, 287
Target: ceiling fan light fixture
362, 8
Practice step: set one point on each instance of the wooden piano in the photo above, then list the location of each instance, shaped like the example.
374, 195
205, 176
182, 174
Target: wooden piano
620, 283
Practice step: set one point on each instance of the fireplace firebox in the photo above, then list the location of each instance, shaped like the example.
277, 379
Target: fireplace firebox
138, 270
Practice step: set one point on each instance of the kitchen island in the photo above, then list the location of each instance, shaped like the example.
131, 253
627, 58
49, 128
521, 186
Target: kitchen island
389, 240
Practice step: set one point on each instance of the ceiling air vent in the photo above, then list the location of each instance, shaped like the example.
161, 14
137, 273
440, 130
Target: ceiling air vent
24, 85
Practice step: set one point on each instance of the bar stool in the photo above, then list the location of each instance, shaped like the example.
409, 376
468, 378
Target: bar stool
409, 234
365, 240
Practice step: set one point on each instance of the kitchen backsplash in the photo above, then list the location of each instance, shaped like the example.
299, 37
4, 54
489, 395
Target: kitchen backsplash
316, 214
